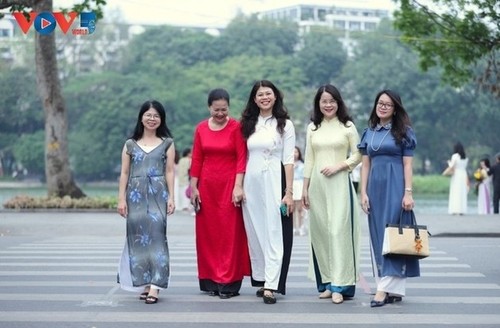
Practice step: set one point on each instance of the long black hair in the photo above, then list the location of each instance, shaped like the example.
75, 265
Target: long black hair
251, 112
317, 115
162, 131
486, 161
459, 149
400, 118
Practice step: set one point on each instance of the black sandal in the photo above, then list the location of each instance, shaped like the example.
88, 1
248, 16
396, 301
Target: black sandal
143, 296
260, 292
151, 300
269, 299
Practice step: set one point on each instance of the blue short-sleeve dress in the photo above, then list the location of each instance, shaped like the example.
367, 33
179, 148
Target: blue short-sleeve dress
385, 189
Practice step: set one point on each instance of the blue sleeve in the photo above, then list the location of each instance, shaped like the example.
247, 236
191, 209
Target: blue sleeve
363, 143
409, 142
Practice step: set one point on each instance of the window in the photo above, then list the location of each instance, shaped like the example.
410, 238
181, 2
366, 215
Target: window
322, 14
307, 13
339, 24
369, 26
354, 26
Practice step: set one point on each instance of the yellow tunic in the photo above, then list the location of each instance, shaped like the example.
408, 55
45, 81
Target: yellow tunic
334, 208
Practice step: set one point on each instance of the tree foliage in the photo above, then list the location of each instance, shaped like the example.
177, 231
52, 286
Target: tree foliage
460, 36
58, 173
259, 37
179, 66
321, 56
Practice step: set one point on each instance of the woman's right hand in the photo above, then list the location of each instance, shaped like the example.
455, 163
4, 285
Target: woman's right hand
365, 203
195, 195
122, 208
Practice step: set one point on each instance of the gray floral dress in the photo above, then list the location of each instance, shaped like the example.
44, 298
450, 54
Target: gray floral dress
145, 259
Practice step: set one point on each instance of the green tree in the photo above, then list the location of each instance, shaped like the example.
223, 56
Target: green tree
60, 181
460, 36
440, 114
20, 112
28, 151
158, 44
321, 56
103, 110
259, 37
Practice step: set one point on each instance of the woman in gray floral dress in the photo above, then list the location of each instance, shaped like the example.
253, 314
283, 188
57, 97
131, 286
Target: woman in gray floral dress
145, 198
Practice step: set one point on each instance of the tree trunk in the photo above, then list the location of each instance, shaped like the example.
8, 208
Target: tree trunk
59, 177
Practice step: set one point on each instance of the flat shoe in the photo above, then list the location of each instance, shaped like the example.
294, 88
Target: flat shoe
143, 296
151, 300
337, 298
394, 299
326, 294
269, 299
259, 292
374, 303
213, 293
228, 295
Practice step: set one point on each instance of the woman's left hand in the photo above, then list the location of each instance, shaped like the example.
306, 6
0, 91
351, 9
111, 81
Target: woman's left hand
170, 206
288, 201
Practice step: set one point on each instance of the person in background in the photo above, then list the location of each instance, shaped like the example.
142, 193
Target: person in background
459, 183
299, 225
217, 170
145, 199
268, 188
356, 176
495, 172
183, 177
329, 195
387, 148
483, 187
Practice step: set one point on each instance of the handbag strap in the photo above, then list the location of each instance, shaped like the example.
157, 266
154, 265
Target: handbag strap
413, 222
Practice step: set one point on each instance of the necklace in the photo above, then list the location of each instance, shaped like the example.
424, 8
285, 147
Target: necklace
381, 141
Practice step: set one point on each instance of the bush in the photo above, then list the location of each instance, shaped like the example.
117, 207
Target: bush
66, 202
431, 184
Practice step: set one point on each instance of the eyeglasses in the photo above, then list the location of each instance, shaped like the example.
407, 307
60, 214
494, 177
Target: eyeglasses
328, 102
385, 105
151, 116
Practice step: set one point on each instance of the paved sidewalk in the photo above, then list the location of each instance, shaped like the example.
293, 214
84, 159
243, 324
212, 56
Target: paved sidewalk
181, 224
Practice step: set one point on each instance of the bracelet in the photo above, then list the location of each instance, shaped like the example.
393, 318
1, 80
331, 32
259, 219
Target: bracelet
289, 190
408, 190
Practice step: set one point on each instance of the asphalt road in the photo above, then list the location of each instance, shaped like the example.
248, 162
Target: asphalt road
58, 269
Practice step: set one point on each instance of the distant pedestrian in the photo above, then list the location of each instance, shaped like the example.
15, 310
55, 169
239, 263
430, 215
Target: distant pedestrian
356, 176
483, 187
145, 198
459, 183
299, 224
495, 172
183, 178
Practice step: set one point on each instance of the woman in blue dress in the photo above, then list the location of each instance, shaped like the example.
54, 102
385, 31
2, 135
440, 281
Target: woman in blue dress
387, 147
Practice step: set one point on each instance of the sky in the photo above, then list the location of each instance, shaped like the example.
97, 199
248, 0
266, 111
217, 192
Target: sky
208, 13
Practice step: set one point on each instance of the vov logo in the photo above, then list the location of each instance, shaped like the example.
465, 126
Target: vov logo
45, 22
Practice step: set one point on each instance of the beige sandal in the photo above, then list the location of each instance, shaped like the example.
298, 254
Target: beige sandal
326, 294
337, 298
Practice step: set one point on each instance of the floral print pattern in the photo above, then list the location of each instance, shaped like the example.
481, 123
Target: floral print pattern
147, 196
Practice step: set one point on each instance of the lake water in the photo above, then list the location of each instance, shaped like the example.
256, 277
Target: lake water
425, 204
